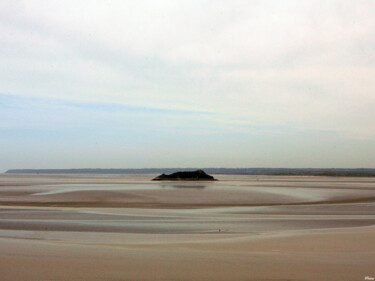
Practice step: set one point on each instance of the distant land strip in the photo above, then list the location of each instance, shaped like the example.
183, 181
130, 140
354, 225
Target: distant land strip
335, 172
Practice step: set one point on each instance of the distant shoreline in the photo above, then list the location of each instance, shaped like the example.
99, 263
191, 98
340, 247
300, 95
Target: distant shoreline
332, 172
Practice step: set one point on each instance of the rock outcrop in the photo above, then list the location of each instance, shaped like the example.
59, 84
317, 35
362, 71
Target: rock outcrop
197, 175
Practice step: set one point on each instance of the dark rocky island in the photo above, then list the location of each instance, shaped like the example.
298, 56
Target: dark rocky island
197, 175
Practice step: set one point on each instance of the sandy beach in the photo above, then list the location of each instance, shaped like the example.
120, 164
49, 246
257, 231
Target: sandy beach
126, 227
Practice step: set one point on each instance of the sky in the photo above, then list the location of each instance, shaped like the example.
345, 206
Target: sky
169, 83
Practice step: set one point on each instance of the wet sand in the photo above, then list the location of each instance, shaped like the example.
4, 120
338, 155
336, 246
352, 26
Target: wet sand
63, 227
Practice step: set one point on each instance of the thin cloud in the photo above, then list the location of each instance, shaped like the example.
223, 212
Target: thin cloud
291, 65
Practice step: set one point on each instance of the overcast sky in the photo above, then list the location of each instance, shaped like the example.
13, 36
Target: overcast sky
127, 84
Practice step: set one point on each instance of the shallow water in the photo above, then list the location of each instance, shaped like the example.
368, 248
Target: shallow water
231, 192
309, 190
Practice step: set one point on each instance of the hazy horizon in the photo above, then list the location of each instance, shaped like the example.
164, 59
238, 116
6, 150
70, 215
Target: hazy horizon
156, 84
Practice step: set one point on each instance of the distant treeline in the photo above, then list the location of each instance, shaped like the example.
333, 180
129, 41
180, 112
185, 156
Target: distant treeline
360, 172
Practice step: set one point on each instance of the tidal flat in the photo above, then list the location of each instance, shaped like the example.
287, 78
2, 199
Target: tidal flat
127, 227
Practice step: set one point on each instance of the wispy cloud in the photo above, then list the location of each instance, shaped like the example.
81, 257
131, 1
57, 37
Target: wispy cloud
47, 113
